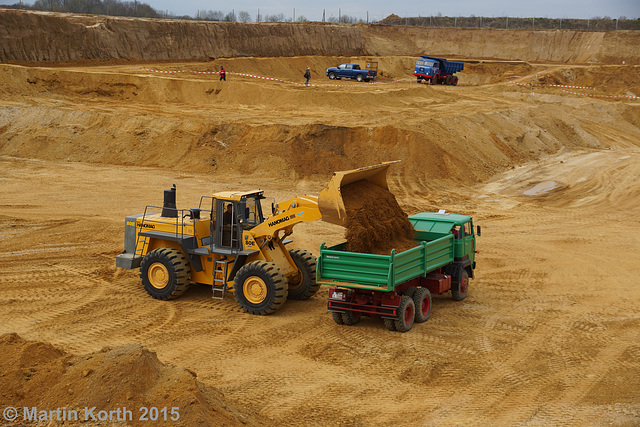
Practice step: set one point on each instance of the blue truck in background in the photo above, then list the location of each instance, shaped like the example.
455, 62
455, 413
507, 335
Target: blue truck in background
437, 70
351, 71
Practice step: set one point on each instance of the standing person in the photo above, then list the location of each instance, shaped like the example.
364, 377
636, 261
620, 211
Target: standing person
307, 75
223, 74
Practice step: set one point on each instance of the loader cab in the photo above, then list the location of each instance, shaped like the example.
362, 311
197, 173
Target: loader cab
231, 214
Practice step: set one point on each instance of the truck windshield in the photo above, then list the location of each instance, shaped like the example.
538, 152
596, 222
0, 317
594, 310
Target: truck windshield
425, 63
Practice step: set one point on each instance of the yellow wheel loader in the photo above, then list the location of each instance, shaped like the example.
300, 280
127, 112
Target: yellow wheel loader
229, 243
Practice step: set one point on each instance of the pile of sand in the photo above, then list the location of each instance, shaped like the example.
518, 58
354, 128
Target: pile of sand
376, 223
36, 374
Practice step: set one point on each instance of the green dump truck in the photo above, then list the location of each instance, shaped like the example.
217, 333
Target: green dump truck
398, 287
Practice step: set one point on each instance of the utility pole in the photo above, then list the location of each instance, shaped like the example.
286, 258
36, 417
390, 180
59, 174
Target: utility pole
258, 17
339, 16
294, 15
367, 16
323, 11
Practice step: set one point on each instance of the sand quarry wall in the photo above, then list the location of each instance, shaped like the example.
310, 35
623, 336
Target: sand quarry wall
43, 36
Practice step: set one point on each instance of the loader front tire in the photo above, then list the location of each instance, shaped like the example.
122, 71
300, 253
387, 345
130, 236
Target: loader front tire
165, 273
260, 288
303, 285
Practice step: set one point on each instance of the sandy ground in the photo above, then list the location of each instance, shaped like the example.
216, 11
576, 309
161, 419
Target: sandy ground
549, 333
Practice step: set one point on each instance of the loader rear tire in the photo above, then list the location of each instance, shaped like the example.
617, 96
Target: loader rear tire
303, 285
406, 314
260, 288
459, 289
165, 273
422, 301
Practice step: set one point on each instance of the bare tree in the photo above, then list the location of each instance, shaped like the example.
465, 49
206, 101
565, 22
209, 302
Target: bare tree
243, 16
275, 18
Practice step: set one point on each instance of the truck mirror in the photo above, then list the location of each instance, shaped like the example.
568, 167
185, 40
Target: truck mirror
479, 232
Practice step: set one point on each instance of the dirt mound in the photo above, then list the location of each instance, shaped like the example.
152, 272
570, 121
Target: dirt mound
36, 374
376, 223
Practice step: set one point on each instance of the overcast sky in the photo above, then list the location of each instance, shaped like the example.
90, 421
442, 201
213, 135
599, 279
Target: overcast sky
378, 9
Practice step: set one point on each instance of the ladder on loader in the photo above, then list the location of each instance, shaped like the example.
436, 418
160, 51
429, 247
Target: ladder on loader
220, 272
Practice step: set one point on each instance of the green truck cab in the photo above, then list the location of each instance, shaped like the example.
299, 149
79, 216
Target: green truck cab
398, 287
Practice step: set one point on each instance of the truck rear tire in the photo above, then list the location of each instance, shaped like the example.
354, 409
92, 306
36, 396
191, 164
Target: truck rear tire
332, 75
455, 81
460, 288
260, 288
390, 324
165, 273
303, 286
406, 314
350, 318
422, 301
448, 80
359, 77
410, 292
337, 317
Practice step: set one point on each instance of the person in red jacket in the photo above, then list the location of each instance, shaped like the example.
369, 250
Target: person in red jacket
223, 74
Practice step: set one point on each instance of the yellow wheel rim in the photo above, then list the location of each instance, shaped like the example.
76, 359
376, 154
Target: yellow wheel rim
254, 290
158, 275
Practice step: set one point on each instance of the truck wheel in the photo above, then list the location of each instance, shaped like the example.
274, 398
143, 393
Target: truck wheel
165, 273
332, 75
448, 80
359, 77
422, 301
454, 80
260, 288
303, 285
434, 80
350, 318
459, 289
406, 317
337, 317
390, 324
410, 291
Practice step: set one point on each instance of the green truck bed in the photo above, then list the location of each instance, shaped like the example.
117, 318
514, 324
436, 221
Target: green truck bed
339, 268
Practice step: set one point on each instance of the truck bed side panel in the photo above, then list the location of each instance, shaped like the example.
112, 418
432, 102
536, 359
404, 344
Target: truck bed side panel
354, 267
382, 272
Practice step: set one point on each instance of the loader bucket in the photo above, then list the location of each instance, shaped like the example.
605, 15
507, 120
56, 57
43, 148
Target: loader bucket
330, 200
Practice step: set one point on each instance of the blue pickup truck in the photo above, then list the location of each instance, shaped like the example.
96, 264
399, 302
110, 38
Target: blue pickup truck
351, 71
437, 70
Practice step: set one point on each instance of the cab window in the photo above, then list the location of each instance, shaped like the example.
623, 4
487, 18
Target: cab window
468, 229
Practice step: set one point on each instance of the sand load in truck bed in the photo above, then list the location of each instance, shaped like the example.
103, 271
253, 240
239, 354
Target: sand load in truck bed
376, 223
